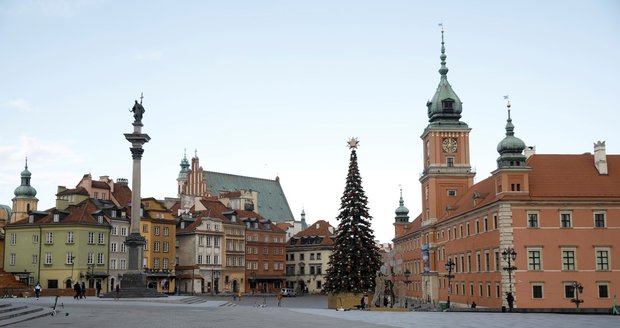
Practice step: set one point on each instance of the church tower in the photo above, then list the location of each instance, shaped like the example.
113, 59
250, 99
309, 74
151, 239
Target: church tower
447, 171
183, 175
401, 220
24, 200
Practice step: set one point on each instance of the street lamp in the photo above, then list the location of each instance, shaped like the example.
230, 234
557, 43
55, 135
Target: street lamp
509, 255
449, 266
577, 288
407, 275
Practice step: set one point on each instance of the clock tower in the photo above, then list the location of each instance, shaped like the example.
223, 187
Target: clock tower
447, 171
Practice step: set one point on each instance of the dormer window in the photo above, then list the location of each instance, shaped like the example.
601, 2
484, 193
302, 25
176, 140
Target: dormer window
100, 218
56, 218
447, 104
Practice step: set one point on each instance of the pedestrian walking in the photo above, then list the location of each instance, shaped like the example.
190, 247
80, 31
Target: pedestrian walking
78, 290
366, 302
279, 297
37, 290
83, 295
118, 292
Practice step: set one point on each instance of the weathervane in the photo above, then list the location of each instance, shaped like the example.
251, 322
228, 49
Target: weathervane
508, 104
353, 143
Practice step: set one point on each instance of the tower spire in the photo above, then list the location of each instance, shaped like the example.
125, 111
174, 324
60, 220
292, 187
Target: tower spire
443, 70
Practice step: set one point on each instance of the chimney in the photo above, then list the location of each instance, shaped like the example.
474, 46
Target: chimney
529, 151
600, 158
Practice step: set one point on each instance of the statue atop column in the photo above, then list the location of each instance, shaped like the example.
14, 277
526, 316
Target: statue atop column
138, 111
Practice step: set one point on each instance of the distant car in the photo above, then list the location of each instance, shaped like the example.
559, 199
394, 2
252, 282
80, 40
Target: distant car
288, 292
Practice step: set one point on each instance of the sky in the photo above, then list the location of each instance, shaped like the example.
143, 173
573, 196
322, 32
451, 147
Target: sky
276, 88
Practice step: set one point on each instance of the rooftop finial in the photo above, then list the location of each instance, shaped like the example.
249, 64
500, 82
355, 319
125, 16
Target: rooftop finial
443, 70
508, 105
26, 166
184, 152
509, 126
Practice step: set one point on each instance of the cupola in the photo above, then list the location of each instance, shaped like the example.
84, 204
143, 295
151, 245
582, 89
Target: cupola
511, 148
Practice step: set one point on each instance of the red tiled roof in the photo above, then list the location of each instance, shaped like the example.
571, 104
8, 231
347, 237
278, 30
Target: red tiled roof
122, 194
100, 185
81, 213
319, 228
78, 191
573, 176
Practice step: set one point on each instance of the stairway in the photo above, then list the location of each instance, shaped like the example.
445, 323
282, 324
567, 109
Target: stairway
11, 287
11, 313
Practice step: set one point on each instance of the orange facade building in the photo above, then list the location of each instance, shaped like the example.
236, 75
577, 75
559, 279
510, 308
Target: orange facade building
559, 214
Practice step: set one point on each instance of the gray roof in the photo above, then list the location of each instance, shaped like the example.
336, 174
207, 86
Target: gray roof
272, 203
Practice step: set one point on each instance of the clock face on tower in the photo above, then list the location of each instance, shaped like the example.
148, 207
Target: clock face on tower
449, 145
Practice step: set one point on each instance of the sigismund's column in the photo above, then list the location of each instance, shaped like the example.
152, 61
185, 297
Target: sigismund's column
134, 278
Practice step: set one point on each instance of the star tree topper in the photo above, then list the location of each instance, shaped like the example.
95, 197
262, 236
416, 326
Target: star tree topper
353, 143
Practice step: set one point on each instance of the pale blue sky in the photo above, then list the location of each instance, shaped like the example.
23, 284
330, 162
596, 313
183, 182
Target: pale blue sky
266, 88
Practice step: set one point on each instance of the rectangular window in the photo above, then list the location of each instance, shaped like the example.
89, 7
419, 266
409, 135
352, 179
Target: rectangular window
480, 289
478, 262
48, 258
13, 239
451, 193
112, 264
122, 264
569, 290
471, 289
318, 256
91, 237
450, 161
146, 244
488, 290
56, 218
477, 226
216, 241
123, 248
70, 258
599, 219
565, 220
156, 246
602, 259
90, 258
166, 247
101, 239
114, 231
166, 231
12, 259
124, 231
113, 247
165, 263
568, 260
537, 291
49, 238
216, 259
35, 258
486, 224
145, 228
156, 231
487, 262
35, 239
603, 290
533, 263
199, 259
155, 263
532, 220
100, 259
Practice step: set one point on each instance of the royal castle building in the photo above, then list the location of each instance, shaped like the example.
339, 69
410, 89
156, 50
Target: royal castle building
539, 227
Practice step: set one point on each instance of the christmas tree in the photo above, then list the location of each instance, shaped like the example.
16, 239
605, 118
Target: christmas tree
355, 260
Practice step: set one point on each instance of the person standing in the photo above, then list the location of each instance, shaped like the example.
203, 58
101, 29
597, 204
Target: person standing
118, 292
279, 297
366, 302
83, 295
98, 285
510, 299
37, 290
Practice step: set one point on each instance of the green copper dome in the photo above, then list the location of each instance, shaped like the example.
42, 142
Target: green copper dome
184, 167
25, 190
445, 107
402, 211
510, 148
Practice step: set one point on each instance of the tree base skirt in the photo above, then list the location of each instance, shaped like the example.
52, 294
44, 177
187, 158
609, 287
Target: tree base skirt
345, 301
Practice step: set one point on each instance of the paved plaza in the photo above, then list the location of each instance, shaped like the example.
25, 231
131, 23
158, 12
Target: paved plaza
300, 312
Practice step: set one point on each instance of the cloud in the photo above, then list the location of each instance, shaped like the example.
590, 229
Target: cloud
154, 55
63, 8
47, 152
18, 104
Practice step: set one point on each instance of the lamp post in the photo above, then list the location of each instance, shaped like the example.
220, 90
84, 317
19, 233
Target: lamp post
577, 288
449, 266
407, 275
509, 255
